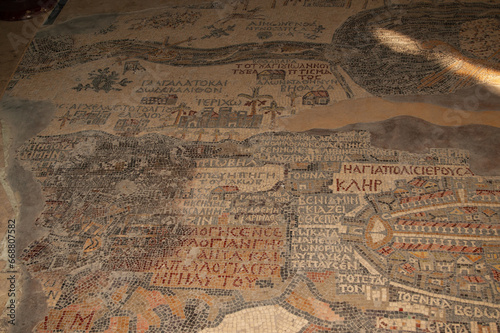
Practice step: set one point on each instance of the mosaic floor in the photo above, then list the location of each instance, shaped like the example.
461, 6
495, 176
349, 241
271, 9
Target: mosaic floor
261, 166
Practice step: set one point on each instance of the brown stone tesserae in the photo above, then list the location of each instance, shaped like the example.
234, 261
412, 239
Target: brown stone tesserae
302, 166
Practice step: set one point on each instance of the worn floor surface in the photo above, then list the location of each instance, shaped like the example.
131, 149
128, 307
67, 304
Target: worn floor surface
254, 166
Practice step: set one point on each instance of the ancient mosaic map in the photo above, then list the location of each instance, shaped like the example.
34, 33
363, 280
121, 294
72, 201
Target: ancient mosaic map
256, 166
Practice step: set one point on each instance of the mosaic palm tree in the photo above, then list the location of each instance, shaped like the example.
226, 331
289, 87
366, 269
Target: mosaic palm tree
180, 110
255, 99
200, 134
274, 110
216, 135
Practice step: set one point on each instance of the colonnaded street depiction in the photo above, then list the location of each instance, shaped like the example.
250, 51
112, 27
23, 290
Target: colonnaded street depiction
255, 166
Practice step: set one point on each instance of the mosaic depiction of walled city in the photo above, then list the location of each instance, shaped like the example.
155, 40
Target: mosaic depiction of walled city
177, 199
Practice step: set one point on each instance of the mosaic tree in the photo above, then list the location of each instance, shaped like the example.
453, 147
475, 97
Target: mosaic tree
255, 99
